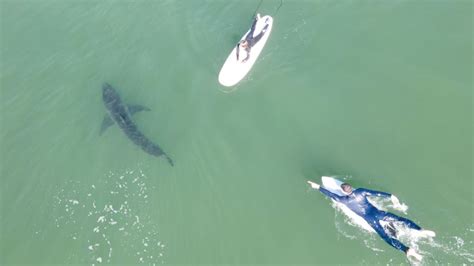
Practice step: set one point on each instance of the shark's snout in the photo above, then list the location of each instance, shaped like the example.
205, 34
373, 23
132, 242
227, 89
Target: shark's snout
108, 93
106, 88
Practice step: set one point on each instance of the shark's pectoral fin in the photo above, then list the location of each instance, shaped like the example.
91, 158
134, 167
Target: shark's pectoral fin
106, 123
132, 109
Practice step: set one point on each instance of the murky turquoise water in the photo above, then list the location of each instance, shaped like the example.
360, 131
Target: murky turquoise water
378, 92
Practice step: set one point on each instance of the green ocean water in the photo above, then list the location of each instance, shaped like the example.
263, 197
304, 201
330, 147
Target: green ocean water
378, 93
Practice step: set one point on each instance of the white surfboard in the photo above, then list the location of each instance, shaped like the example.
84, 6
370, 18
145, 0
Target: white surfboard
334, 186
396, 230
234, 71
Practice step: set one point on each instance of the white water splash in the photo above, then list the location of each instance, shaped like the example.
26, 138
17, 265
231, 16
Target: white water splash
112, 215
430, 248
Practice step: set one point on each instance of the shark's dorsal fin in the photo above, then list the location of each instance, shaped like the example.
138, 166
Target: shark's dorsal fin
133, 109
106, 123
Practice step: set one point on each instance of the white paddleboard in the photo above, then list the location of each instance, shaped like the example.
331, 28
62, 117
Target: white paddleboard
234, 71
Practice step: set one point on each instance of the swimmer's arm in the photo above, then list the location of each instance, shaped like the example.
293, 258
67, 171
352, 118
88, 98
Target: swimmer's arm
330, 194
248, 55
237, 51
396, 203
324, 191
368, 192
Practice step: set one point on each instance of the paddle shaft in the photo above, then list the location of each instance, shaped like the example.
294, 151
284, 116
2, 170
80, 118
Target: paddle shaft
256, 9
278, 9
260, 3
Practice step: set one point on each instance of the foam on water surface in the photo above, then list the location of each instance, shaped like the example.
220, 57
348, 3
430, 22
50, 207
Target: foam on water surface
425, 245
109, 219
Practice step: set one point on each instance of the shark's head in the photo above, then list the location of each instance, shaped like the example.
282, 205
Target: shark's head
109, 94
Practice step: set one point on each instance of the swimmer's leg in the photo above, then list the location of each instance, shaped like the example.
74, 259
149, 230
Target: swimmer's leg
392, 231
252, 29
410, 224
405, 221
391, 241
256, 39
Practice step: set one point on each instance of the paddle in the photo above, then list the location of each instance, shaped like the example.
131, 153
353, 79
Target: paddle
256, 9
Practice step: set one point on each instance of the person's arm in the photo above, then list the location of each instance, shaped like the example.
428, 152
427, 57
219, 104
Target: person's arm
396, 203
324, 191
237, 51
330, 194
248, 54
246, 58
368, 192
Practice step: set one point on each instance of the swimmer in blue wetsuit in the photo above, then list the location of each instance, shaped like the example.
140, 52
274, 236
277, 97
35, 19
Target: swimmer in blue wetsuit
249, 41
356, 200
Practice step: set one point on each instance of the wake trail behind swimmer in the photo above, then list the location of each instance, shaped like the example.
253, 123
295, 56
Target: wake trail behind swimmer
357, 201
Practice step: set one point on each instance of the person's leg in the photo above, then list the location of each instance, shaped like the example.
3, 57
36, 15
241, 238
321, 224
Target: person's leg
391, 241
390, 229
252, 29
257, 38
405, 221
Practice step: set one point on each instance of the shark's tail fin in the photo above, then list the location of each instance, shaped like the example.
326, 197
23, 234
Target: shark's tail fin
169, 160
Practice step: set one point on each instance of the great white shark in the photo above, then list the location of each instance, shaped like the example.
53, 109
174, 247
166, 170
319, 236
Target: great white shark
120, 114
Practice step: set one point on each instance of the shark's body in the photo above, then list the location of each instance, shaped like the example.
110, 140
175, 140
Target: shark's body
121, 115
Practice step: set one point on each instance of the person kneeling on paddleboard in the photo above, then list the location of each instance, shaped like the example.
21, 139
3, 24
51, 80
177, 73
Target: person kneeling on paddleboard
356, 200
249, 41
